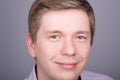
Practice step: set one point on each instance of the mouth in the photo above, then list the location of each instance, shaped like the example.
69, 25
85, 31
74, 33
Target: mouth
67, 65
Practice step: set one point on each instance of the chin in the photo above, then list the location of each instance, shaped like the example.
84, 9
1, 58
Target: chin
67, 76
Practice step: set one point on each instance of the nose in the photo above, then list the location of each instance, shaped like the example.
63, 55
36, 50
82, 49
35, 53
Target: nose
68, 48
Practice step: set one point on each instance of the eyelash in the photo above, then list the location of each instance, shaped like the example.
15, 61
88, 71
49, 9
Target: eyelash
54, 37
57, 37
81, 37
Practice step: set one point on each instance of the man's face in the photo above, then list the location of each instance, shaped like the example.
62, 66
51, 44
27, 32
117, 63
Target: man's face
63, 45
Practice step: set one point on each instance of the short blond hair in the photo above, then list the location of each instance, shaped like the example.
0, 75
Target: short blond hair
40, 7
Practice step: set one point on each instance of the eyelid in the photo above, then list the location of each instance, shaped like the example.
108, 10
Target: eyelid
54, 34
81, 37
54, 37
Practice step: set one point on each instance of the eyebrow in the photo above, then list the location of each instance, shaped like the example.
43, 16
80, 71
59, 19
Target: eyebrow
77, 32
56, 31
83, 32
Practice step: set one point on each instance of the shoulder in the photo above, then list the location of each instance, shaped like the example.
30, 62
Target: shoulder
32, 75
88, 75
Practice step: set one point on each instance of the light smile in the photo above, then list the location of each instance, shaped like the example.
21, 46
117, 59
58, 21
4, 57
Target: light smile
67, 65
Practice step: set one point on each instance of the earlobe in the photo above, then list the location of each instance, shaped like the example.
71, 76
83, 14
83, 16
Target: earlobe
30, 46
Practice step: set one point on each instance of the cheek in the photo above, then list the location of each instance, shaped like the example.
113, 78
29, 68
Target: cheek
83, 51
46, 49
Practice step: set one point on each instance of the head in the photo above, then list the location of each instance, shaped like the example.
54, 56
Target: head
60, 36
40, 7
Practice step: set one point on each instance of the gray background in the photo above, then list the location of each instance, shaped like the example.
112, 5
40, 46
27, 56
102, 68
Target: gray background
15, 62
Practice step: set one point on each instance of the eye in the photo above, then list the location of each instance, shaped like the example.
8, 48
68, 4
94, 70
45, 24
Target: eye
54, 37
81, 38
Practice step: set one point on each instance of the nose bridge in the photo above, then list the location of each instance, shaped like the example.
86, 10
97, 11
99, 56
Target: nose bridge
69, 47
69, 43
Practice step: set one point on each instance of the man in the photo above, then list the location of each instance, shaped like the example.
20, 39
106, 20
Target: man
59, 39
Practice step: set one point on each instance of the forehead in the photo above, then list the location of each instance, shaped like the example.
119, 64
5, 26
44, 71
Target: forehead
65, 20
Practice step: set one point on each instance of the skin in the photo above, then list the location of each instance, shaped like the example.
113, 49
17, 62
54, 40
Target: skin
63, 45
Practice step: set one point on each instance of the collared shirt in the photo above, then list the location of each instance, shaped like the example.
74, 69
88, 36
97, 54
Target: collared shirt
86, 75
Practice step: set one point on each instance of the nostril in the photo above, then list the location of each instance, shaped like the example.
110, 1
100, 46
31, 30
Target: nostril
68, 50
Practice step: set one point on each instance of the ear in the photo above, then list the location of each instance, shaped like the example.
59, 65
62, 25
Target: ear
30, 45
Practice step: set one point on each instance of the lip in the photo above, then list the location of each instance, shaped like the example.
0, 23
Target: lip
67, 65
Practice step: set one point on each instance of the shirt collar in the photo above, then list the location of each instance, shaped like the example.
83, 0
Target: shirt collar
33, 75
